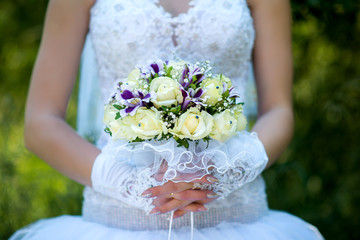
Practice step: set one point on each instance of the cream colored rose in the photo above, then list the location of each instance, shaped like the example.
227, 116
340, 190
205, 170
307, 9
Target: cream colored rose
121, 129
225, 125
224, 79
213, 90
237, 111
147, 124
118, 127
193, 124
178, 67
167, 91
114, 127
132, 81
109, 114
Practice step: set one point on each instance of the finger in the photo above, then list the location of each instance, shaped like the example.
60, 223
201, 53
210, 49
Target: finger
163, 167
166, 188
165, 200
172, 205
182, 177
159, 176
179, 213
160, 201
206, 201
194, 195
209, 179
193, 207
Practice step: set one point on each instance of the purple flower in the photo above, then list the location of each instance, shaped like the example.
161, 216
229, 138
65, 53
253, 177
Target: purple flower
191, 96
153, 68
127, 94
133, 101
191, 75
225, 87
233, 94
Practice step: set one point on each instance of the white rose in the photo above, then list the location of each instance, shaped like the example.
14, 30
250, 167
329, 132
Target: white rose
225, 126
147, 123
132, 81
226, 80
109, 113
237, 112
193, 124
178, 67
118, 127
213, 90
167, 91
121, 129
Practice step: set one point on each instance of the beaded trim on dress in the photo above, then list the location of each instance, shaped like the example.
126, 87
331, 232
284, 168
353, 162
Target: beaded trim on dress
247, 204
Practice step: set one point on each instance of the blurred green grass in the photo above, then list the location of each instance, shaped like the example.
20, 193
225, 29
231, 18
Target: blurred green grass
316, 178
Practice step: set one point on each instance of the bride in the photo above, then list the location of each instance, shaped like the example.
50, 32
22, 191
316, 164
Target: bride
124, 34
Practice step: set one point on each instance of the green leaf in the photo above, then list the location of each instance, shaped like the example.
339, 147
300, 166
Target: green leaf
168, 71
175, 109
211, 110
194, 78
107, 130
207, 140
182, 142
193, 86
117, 116
164, 108
118, 107
138, 140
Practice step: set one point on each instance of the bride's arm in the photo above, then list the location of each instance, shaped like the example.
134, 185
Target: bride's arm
273, 73
53, 78
52, 81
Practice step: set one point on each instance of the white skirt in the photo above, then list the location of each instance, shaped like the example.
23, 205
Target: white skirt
275, 225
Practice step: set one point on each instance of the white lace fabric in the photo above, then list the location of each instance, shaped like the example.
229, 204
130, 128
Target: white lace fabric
234, 163
128, 33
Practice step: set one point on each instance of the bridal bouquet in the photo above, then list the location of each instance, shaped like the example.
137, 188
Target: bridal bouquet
174, 99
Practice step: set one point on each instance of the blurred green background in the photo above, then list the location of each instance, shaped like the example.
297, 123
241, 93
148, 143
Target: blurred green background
318, 176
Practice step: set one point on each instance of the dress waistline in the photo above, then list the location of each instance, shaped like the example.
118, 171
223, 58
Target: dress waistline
119, 215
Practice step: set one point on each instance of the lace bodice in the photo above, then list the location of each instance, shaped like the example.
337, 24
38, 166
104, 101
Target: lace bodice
128, 33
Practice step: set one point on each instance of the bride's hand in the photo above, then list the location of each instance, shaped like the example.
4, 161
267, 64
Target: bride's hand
181, 197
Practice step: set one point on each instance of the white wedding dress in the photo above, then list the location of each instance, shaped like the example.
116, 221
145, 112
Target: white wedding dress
124, 34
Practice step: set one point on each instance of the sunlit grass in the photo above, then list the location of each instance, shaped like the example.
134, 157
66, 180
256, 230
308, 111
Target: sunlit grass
30, 189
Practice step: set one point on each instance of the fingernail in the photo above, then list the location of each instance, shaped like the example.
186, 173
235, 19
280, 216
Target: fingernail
154, 212
212, 179
202, 209
147, 193
212, 195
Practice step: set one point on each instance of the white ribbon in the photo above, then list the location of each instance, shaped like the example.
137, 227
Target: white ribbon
191, 223
170, 224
